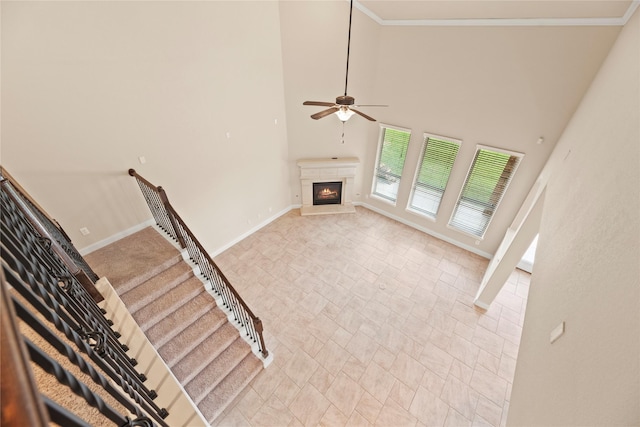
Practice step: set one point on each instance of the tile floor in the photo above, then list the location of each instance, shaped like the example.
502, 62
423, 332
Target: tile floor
372, 323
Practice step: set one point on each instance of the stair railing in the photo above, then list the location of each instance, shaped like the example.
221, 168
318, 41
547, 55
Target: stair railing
51, 229
170, 222
45, 296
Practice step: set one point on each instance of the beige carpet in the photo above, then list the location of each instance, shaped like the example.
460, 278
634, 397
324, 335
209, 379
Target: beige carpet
192, 335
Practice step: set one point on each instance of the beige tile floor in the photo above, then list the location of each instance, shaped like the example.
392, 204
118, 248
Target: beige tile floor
372, 323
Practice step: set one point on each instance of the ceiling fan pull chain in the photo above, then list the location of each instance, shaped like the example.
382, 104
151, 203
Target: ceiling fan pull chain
343, 132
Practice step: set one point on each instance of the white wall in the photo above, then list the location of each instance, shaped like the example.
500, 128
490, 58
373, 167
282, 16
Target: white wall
499, 86
314, 45
586, 271
88, 87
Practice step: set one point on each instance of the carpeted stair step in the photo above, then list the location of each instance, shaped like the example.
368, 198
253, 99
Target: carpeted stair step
188, 367
134, 259
174, 324
207, 379
174, 349
180, 318
230, 387
156, 286
157, 310
145, 275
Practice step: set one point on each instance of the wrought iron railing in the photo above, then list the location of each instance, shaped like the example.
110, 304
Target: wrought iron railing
51, 229
169, 221
46, 296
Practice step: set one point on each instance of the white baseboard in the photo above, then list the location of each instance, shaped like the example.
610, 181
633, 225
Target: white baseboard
102, 243
427, 231
525, 265
481, 305
218, 251
251, 231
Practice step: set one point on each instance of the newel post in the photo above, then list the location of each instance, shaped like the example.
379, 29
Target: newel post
257, 323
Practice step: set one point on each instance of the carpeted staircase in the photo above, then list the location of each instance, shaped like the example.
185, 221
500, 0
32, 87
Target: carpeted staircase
180, 318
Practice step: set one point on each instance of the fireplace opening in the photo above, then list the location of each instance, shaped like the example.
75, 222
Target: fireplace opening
327, 193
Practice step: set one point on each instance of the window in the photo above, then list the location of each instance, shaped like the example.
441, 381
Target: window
392, 150
438, 155
486, 182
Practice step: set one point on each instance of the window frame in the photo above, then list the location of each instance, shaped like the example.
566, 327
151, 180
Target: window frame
480, 147
421, 158
376, 165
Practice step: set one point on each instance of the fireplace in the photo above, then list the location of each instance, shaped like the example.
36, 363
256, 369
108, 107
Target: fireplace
327, 185
327, 193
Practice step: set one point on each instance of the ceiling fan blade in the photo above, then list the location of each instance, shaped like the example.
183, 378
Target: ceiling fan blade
369, 105
319, 103
324, 113
363, 115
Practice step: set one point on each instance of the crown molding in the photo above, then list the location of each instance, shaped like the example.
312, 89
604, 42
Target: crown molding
501, 22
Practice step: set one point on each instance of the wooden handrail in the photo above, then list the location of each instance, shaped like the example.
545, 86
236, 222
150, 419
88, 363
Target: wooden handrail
21, 403
213, 264
165, 201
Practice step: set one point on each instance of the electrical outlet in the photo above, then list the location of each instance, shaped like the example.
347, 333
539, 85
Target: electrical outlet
85, 231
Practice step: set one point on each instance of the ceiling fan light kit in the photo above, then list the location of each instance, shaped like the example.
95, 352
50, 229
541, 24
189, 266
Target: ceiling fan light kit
343, 107
344, 114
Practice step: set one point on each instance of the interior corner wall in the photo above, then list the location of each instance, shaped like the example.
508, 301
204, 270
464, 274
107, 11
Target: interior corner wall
498, 86
194, 87
314, 46
586, 271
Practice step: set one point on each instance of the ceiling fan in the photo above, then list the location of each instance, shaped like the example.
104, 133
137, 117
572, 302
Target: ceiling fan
344, 105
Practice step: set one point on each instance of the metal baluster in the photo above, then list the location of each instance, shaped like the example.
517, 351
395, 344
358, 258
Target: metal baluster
53, 298
75, 358
219, 284
67, 378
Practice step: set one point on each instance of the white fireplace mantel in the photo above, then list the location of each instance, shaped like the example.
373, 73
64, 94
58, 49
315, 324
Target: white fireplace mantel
327, 170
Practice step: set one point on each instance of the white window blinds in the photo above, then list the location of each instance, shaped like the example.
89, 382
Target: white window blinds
438, 156
486, 183
392, 151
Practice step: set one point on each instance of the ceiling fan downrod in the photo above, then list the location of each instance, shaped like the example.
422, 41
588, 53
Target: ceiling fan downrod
346, 77
343, 106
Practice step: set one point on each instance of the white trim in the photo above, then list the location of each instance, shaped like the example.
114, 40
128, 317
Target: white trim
113, 238
507, 22
250, 232
629, 13
384, 199
503, 22
376, 165
475, 156
481, 304
394, 127
368, 12
219, 302
420, 213
218, 251
499, 150
425, 137
171, 393
426, 230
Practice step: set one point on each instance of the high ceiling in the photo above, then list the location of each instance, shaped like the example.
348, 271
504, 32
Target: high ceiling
516, 12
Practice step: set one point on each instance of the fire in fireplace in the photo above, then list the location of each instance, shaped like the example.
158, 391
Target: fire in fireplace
327, 193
